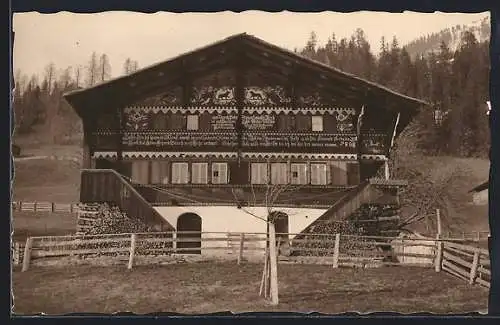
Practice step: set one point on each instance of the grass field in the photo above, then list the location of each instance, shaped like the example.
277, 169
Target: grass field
210, 287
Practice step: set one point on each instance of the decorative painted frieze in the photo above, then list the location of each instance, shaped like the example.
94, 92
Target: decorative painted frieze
180, 139
270, 95
374, 144
137, 120
209, 95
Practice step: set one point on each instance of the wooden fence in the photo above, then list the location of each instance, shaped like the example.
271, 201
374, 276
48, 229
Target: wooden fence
44, 206
471, 264
334, 249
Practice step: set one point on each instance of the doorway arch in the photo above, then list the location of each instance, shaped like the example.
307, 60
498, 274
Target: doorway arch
189, 222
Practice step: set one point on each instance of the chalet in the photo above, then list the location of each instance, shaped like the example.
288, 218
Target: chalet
199, 141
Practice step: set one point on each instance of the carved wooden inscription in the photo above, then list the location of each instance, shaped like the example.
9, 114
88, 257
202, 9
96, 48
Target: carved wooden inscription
258, 122
223, 122
300, 142
180, 140
374, 144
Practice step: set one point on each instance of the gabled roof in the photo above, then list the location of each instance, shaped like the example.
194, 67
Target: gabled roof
123, 86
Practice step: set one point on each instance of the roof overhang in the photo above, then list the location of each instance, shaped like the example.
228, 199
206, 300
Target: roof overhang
124, 90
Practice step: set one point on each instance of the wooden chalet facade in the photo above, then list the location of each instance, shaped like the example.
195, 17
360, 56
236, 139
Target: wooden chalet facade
218, 126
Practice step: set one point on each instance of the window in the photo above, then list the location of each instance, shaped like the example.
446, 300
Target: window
299, 173
199, 173
176, 121
318, 174
219, 173
160, 121
159, 172
279, 173
180, 173
259, 173
339, 172
192, 122
140, 171
317, 123
302, 123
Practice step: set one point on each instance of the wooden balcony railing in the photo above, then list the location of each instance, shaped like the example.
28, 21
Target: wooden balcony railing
106, 185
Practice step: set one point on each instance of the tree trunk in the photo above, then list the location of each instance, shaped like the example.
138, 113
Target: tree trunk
274, 264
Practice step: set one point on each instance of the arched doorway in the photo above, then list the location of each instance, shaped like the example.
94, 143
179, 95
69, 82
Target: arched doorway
189, 222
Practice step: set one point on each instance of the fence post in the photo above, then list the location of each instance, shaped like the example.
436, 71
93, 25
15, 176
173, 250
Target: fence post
132, 251
27, 254
53, 207
35, 204
242, 243
439, 254
273, 264
336, 251
16, 253
174, 241
478, 236
473, 269
71, 208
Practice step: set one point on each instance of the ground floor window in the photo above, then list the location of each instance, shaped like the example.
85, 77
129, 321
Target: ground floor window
259, 173
159, 172
140, 171
219, 173
199, 173
318, 174
180, 173
298, 174
279, 173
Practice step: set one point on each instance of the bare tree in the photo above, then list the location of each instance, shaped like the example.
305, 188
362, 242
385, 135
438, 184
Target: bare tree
92, 70
50, 76
104, 68
273, 192
78, 75
65, 79
130, 66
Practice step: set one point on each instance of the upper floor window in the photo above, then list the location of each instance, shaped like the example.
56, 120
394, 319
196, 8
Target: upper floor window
318, 174
192, 122
199, 173
180, 173
259, 173
298, 173
219, 173
279, 173
317, 123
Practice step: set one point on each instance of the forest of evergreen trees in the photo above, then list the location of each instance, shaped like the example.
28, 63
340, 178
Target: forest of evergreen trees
455, 82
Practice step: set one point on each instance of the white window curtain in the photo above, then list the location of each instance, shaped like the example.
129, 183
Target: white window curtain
199, 173
317, 123
140, 171
318, 174
180, 173
192, 122
279, 173
259, 173
219, 173
298, 173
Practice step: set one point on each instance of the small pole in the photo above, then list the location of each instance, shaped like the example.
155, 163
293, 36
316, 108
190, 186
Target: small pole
264, 273
273, 264
53, 206
473, 269
17, 253
242, 242
438, 217
35, 205
439, 254
478, 236
27, 254
336, 251
174, 241
133, 238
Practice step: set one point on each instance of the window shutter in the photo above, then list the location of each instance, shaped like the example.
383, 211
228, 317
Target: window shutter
317, 123
298, 173
155, 172
279, 173
219, 173
199, 173
180, 173
164, 174
318, 174
192, 122
259, 173
353, 177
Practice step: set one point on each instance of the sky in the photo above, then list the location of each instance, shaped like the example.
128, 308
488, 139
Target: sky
68, 39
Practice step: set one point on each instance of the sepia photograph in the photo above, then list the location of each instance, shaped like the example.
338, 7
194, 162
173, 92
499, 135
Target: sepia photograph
197, 163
